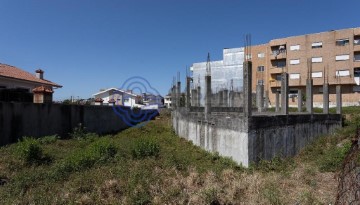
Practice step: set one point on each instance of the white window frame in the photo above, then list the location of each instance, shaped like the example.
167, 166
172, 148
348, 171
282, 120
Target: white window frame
294, 76
317, 44
294, 61
317, 74
343, 57
295, 47
261, 55
316, 60
342, 73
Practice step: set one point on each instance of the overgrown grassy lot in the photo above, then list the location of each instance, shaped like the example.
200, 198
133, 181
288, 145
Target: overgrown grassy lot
151, 165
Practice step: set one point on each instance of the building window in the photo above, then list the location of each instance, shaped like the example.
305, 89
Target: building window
316, 45
260, 82
295, 47
342, 73
278, 77
261, 68
316, 59
342, 42
261, 55
294, 76
316, 74
356, 40
342, 57
357, 56
279, 63
294, 61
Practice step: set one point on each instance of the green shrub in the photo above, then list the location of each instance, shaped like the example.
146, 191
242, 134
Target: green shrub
277, 164
333, 157
272, 194
98, 152
29, 150
79, 132
145, 147
48, 139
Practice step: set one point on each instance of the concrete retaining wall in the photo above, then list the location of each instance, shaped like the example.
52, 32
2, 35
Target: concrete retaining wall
248, 140
36, 120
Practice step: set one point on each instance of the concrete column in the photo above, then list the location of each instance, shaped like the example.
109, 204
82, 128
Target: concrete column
247, 72
225, 98
220, 98
338, 100
260, 97
178, 94
266, 103
193, 97
208, 95
231, 98
284, 93
198, 96
309, 96
299, 100
326, 98
173, 97
188, 80
277, 101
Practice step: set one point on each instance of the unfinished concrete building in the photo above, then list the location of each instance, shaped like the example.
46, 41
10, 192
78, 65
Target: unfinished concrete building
248, 133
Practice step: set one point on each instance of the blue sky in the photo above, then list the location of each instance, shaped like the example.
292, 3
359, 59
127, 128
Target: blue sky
86, 45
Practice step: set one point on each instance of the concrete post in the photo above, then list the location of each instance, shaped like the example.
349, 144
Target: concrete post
220, 98
299, 100
188, 80
338, 100
198, 96
225, 98
284, 93
193, 97
178, 94
260, 97
173, 97
326, 98
231, 98
277, 101
247, 72
207, 96
266, 103
309, 96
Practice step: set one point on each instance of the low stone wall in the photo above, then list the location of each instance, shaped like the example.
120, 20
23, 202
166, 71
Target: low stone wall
248, 140
36, 120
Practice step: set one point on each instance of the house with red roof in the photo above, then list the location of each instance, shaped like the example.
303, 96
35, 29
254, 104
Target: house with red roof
22, 86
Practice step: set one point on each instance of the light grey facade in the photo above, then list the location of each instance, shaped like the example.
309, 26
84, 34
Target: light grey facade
222, 72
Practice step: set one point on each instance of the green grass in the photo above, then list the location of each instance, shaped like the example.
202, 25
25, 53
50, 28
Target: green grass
151, 164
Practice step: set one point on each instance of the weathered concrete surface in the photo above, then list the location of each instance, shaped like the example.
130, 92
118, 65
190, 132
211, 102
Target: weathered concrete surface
249, 139
37, 120
285, 135
227, 136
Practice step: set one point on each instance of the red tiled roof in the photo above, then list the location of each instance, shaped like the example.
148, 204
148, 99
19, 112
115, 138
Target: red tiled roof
42, 89
9, 71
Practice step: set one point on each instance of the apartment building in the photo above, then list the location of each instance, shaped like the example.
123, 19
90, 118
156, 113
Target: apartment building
332, 57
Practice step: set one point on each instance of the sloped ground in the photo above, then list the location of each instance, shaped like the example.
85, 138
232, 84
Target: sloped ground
151, 165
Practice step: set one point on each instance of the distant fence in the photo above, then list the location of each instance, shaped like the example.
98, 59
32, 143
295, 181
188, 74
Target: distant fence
37, 120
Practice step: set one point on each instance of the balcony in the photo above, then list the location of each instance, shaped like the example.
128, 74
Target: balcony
278, 52
277, 70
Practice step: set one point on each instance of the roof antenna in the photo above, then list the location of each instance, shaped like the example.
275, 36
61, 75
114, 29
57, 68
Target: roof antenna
208, 68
